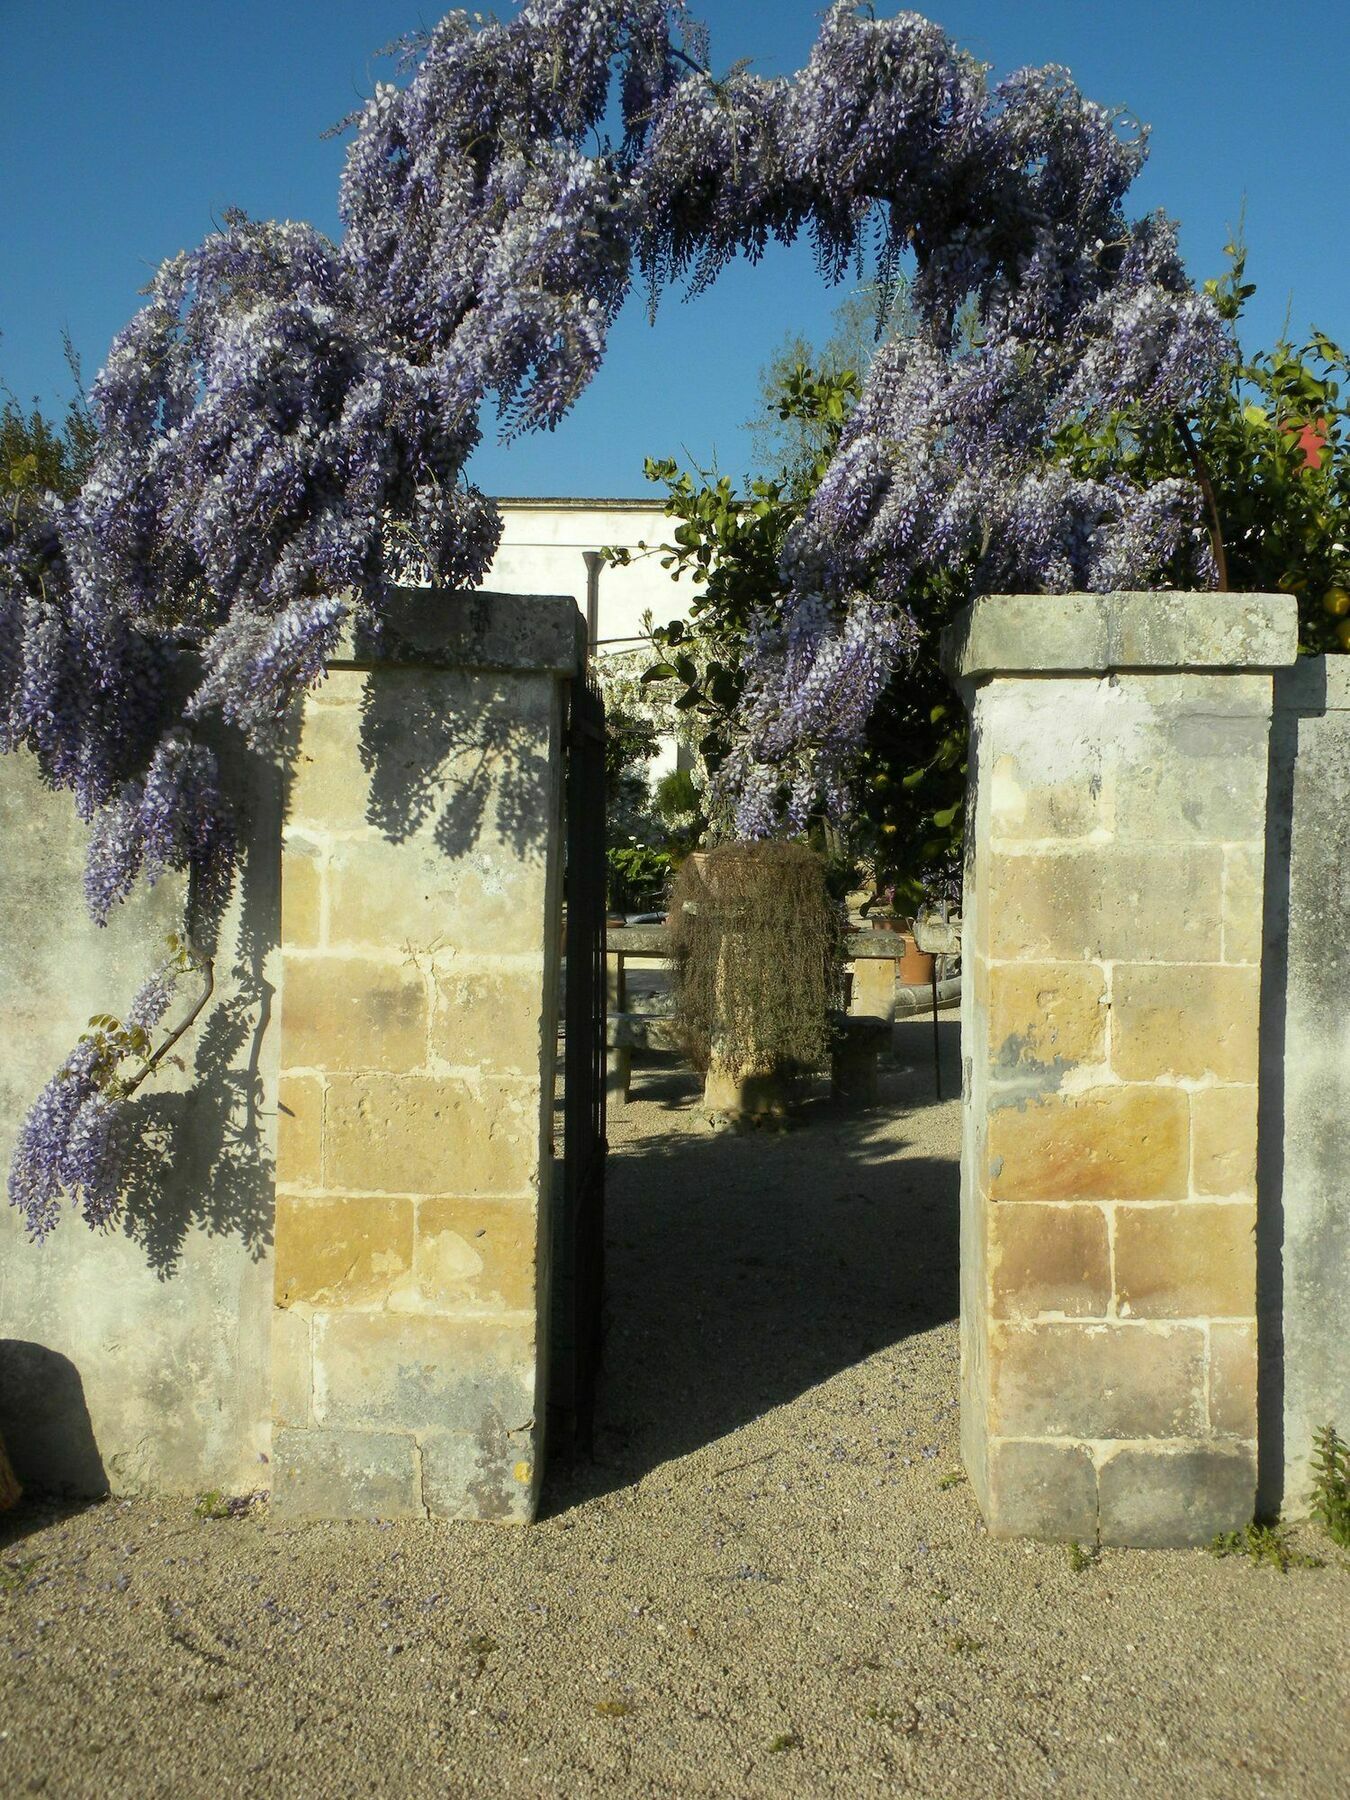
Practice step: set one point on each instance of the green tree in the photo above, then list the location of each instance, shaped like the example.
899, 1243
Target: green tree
37, 456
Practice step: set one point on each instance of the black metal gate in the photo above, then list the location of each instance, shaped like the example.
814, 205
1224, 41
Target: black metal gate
579, 1204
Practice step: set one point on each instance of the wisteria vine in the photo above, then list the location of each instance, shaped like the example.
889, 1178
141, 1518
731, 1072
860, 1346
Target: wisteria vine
284, 426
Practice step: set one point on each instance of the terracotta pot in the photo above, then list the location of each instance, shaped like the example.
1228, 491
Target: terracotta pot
916, 966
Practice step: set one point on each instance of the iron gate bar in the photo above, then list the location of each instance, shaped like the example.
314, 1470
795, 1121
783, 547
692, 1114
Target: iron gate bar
580, 1241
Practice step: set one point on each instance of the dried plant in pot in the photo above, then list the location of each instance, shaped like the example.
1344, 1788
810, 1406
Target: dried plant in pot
757, 971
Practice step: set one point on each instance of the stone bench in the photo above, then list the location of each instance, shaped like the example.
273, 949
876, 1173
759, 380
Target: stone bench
624, 1033
853, 1064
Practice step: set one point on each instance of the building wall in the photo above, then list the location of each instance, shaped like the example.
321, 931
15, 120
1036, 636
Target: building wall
137, 1357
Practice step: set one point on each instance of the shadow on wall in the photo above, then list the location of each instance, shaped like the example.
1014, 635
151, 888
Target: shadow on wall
202, 1159
45, 1422
427, 759
744, 1270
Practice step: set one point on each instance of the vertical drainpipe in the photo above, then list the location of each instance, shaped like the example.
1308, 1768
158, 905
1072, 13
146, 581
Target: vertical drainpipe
594, 564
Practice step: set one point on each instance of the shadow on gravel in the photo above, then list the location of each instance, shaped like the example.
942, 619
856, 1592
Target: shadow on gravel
743, 1269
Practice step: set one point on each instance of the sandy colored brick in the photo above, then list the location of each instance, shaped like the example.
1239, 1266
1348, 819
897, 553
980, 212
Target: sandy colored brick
341, 1252
329, 788
1038, 1490
1170, 1497
345, 1475
292, 1368
418, 1372
1197, 772
1106, 903
421, 1134
472, 1255
1195, 1261
1097, 1381
1223, 1122
301, 894
1045, 1016
353, 1013
1024, 805
1243, 903
491, 1020
1109, 1143
412, 892
1049, 1259
1184, 1021
299, 1131
1232, 1380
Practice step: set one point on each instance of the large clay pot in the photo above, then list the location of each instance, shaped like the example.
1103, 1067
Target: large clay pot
916, 966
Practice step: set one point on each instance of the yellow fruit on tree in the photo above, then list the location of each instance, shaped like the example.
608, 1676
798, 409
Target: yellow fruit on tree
1336, 601
1343, 634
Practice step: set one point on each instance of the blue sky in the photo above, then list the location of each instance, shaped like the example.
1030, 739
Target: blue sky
128, 128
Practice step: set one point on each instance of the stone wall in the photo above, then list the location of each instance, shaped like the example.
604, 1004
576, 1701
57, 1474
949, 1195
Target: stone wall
421, 913
1110, 1036
138, 1357
1304, 1241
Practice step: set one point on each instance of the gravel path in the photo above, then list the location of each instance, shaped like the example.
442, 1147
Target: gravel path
767, 1582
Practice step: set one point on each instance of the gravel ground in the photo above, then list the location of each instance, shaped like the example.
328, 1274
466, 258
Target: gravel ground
768, 1581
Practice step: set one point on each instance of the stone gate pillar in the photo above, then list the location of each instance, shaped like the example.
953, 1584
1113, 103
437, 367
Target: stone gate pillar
421, 894
1112, 950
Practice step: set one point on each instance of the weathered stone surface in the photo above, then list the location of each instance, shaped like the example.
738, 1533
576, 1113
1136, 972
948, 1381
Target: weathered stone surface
292, 1369
1097, 1381
433, 629
301, 893
341, 1252
1045, 1018
1194, 1261
1050, 764
1039, 1490
345, 1475
430, 1134
492, 1019
1305, 1140
1223, 1123
329, 787
1109, 1143
413, 895
1184, 1021
488, 1476
300, 1131
1049, 1259
1243, 902
351, 1012
1004, 634
873, 994
472, 1256
412, 1372
1232, 1380
1168, 1498
1197, 772
1106, 903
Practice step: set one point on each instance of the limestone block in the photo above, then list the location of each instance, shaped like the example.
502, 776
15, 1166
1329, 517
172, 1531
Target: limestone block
301, 893
472, 1256
412, 894
345, 1475
329, 787
351, 1012
1194, 1261
1097, 1381
413, 1372
292, 1369
1223, 1123
1196, 771
430, 1134
1040, 1490
300, 1131
1232, 1380
1167, 1497
1045, 1017
341, 1252
1184, 1021
1049, 1259
1243, 903
488, 1476
1108, 1143
490, 1019
873, 995
1106, 903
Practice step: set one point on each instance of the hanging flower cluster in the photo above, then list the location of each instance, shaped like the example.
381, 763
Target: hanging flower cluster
284, 426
